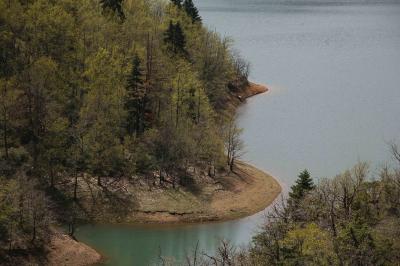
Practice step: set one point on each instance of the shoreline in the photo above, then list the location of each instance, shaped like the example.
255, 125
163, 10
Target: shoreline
239, 98
251, 90
241, 194
64, 250
246, 192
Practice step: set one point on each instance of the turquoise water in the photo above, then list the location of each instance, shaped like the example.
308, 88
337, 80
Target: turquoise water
334, 72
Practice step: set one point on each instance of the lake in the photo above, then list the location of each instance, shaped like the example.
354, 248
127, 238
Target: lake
333, 69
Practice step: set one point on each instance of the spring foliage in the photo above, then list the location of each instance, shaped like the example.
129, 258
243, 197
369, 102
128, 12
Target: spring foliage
105, 88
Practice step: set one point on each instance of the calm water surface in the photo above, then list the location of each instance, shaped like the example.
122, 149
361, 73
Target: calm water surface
334, 72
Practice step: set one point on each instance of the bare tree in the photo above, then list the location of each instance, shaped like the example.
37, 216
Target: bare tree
395, 151
225, 255
233, 143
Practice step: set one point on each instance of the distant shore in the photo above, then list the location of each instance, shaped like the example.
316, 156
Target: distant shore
252, 89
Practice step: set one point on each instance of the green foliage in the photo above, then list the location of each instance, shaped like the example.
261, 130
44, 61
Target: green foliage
134, 98
304, 184
7, 206
191, 11
175, 38
113, 5
346, 220
308, 246
24, 214
108, 89
177, 3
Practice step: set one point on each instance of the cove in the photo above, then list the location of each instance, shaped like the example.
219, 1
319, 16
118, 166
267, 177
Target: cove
333, 69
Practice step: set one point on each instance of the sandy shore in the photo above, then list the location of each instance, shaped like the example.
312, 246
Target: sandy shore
239, 98
251, 90
228, 196
239, 194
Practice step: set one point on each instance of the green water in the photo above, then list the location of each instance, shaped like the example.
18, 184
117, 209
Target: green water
142, 245
334, 72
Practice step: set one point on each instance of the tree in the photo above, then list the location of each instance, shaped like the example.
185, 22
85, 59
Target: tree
101, 116
8, 98
8, 209
175, 38
134, 99
191, 11
304, 184
177, 3
115, 6
308, 246
233, 142
41, 99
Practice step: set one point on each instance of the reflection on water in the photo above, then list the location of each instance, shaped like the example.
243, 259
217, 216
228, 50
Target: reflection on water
334, 72
142, 245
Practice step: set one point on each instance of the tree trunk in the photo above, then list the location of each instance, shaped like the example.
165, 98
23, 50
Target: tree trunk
198, 107
72, 228
34, 228
177, 108
51, 177
161, 177
75, 186
5, 138
333, 223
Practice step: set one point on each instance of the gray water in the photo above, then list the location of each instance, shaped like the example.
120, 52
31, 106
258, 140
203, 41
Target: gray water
333, 69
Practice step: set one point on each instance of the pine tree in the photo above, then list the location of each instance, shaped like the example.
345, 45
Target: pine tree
175, 38
192, 11
180, 40
115, 6
135, 94
304, 184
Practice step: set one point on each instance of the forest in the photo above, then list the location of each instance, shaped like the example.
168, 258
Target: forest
141, 90
350, 219
108, 89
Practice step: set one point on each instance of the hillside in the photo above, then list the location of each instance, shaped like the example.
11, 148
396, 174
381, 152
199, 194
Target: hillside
112, 91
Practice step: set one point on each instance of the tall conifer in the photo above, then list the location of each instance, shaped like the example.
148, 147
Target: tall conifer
175, 38
135, 93
304, 184
192, 10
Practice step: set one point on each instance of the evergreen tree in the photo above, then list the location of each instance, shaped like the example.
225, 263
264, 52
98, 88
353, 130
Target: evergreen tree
135, 94
180, 39
115, 6
175, 38
192, 11
304, 184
